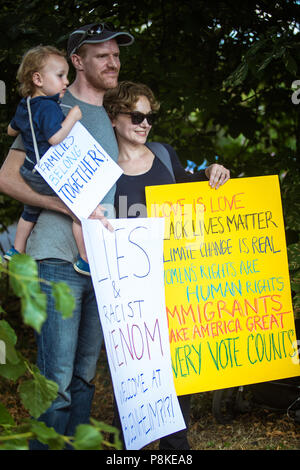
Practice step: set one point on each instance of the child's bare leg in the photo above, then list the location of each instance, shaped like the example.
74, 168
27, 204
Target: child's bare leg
24, 229
78, 235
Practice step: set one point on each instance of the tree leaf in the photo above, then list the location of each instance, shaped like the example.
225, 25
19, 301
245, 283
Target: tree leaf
295, 282
238, 76
26, 285
107, 428
34, 309
47, 435
291, 64
87, 438
14, 444
64, 300
13, 371
5, 417
38, 394
294, 256
9, 338
23, 272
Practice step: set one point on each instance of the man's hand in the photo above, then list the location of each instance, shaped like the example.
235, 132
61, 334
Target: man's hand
217, 175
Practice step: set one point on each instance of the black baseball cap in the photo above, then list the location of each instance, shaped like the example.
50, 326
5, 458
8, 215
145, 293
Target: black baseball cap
95, 33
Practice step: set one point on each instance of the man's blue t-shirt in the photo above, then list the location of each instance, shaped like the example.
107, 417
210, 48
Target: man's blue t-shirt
47, 117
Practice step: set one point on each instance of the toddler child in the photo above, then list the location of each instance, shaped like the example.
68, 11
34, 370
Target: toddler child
43, 78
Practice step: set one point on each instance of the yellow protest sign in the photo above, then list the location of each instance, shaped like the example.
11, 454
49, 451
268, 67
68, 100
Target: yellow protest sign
227, 284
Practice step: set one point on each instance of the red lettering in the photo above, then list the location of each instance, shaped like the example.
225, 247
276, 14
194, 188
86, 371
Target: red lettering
222, 203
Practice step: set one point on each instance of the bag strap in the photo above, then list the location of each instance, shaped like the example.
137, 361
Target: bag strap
162, 153
36, 150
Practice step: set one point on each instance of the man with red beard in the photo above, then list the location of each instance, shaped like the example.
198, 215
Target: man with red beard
68, 349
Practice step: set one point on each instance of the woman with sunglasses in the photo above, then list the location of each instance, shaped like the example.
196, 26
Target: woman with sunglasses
131, 108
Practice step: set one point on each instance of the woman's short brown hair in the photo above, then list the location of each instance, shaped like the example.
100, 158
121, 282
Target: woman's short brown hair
125, 96
33, 61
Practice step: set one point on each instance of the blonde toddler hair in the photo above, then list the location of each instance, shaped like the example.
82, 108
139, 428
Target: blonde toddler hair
33, 61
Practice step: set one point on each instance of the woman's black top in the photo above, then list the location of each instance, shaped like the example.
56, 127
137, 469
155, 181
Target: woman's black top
130, 200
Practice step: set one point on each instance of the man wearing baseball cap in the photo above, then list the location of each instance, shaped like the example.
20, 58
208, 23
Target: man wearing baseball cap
96, 33
94, 52
68, 349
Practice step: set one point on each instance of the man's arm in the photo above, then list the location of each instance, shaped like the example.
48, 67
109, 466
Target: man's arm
12, 184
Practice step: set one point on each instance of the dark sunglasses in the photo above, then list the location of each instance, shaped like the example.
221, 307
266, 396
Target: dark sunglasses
95, 30
137, 117
99, 28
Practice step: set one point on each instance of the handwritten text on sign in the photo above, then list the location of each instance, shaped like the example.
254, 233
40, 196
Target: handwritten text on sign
228, 296
80, 171
127, 273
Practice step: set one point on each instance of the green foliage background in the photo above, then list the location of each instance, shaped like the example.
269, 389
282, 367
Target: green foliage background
222, 70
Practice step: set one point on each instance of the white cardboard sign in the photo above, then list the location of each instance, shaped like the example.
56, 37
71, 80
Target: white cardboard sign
79, 170
128, 277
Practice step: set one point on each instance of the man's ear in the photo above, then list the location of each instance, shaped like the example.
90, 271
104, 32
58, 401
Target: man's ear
37, 79
76, 61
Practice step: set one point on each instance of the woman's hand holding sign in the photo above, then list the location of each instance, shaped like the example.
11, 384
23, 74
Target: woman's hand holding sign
217, 175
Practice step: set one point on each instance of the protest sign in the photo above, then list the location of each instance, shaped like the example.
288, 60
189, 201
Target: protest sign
79, 170
127, 274
227, 285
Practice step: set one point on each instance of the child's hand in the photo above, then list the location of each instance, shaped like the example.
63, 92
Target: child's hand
76, 113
